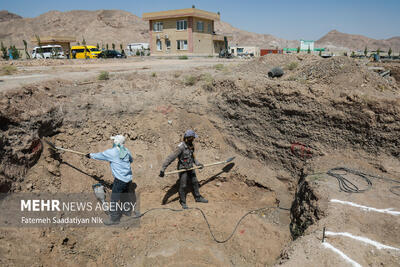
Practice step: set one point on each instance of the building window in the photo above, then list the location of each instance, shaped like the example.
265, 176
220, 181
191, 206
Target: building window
200, 26
181, 25
181, 44
159, 45
168, 44
157, 26
209, 30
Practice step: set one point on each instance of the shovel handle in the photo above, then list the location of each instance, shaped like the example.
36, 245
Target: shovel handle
69, 150
198, 167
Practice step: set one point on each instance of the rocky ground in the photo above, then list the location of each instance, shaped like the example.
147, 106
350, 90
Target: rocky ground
322, 113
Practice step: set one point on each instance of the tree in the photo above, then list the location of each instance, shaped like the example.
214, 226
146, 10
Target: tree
113, 46
122, 50
365, 51
353, 54
83, 41
14, 52
98, 46
320, 53
308, 50
298, 49
390, 51
106, 46
78, 43
4, 51
378, 51
26, 49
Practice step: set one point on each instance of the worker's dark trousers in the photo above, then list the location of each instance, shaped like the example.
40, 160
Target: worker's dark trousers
183, 179
122, 192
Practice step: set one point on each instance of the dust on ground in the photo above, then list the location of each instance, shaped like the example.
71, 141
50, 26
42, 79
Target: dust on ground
321, 114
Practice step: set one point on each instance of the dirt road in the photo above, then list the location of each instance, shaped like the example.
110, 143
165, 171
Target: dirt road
80, 70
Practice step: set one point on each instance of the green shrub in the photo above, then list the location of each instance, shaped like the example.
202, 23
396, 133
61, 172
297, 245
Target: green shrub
154, 74
8, 70
190, 80
4, 51
208, 82
219, 66
104, 75
292, 65
207, 77
183, 57
177, 74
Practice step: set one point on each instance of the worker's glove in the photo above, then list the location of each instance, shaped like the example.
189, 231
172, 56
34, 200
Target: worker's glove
87, 155
201, 166
162, 174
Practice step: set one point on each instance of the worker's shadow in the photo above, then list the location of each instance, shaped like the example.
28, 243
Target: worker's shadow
95, 177
55, 155
175, 188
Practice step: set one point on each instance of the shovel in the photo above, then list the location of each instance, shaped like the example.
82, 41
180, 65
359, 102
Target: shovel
205, 165
63, 149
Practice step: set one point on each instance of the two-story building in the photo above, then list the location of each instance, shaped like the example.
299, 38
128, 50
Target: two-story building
187, 31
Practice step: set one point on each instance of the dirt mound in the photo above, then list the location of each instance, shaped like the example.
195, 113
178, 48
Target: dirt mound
281, 131
325, 108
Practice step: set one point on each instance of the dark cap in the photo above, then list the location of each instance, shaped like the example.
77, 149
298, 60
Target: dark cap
190, 133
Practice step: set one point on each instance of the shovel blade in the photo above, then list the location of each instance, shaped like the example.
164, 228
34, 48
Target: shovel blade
50, 144
230, 159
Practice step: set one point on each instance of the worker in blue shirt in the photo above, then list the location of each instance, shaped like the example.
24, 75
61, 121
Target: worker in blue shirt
120, 159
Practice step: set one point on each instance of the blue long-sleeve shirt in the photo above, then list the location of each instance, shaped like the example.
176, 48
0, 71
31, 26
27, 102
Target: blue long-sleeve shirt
120, 168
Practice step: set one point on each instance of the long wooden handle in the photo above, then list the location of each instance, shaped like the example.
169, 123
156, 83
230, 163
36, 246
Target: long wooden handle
72, 151
198, 167
53, 146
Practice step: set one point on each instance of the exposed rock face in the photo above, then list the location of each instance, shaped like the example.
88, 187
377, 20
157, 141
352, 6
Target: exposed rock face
25, 116
305, 210
7, 16
319, 112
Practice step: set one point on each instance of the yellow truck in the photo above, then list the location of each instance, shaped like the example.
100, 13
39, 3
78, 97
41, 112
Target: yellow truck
84, 51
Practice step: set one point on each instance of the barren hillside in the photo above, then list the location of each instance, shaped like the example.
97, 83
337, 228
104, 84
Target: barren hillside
117, 26
335, 39
109, 26
7, 16
246, 38
101, 26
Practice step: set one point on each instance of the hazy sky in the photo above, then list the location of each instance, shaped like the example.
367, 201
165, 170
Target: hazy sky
289, 19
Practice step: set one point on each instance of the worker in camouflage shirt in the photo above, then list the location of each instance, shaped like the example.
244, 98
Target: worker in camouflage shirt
186, 159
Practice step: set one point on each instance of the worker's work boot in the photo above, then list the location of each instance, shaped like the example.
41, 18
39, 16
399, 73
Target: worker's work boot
110, 221
184, 206
201, 199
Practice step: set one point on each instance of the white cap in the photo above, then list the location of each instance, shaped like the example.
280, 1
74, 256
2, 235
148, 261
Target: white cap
118, 139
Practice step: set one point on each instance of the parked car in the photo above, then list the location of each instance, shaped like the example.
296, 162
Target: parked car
138, 46
84, 51
48, 51
111, 54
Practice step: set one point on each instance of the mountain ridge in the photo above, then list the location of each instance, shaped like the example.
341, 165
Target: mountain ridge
122, 27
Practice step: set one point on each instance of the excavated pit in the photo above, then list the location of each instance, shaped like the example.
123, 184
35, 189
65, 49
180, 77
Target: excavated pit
274, 127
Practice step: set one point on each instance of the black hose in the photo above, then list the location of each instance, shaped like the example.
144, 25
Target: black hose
345, 185
206, 220
348, 187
